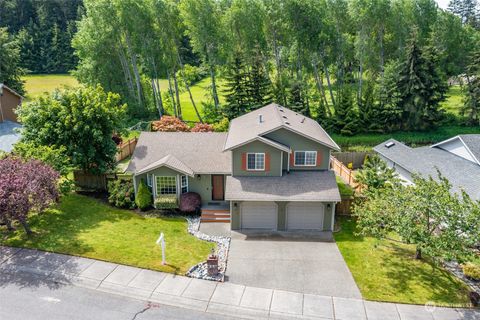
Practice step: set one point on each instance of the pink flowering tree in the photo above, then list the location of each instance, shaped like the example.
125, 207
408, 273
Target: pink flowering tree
25, 187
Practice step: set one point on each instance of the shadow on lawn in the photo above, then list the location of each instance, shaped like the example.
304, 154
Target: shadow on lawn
442, 286
58, 230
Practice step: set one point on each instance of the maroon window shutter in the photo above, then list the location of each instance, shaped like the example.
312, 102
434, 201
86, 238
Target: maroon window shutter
319, 158
267, 162
292, 159
244, 161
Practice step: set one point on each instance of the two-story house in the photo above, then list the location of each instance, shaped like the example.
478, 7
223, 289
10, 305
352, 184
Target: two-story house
271, 169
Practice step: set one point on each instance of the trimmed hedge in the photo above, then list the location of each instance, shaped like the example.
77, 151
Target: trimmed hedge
121, 194
166, 202
471, 270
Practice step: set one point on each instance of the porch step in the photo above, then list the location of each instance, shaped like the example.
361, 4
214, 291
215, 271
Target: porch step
215, 216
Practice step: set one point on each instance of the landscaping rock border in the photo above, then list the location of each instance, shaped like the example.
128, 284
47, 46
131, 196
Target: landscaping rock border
200, 271
456, 269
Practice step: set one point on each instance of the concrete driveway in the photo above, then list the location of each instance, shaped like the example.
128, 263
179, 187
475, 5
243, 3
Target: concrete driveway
300, 262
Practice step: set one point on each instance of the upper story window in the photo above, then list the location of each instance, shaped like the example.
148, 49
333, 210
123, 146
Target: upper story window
256, 161
184, 184
166, 185
306, 158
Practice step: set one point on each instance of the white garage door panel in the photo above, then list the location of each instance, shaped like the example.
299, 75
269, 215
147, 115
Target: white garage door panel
259, 215
305, 215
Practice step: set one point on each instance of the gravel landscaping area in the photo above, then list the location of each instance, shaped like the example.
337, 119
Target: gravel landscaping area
200, 271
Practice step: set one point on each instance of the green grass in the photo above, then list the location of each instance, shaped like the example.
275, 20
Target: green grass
386, 270
38, 84
366, 141
345, 190
454, 100
86, 227
200, 91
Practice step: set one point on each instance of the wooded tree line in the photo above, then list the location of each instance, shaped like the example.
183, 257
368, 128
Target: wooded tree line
359, 65
43, 31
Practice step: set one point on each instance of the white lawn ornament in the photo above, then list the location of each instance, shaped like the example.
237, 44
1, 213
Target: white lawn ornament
161, 242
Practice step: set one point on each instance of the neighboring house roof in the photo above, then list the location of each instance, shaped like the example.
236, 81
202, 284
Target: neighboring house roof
9, 135
248, 127
466, 146
200, 152
295, 186
472, 141
462, 173
4, 87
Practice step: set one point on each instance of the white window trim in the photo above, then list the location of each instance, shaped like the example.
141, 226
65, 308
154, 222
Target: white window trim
156, 185
150, 181
256, 153
183, 186
304, 165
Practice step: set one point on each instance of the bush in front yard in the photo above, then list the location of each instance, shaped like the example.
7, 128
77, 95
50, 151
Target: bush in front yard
121, 194
166, 202
190, 202
143, 199
471, 270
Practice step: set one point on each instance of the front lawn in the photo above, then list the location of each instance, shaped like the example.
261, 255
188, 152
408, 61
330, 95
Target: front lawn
86, 227
386, 270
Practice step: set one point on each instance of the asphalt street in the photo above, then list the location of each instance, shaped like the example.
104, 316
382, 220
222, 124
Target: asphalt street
43, 301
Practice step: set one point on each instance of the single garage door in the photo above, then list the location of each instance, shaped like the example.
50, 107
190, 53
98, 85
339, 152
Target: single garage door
305, 215
259, 215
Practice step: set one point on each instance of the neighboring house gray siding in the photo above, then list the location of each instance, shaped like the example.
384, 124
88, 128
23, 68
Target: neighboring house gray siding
260, 147
300, 143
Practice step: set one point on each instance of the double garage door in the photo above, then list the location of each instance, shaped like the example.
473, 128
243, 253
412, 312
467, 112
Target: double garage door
299, 215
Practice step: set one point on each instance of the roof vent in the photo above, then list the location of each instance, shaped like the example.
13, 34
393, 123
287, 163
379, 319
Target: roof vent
389, 144
303, 120
287, 122
281, 110
284, 117
260, 118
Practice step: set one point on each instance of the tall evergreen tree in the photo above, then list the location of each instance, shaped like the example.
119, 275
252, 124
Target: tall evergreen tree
297, 98
259, 87
467, 10
236, 93
346, 117
10, 70
422, 87
471, 107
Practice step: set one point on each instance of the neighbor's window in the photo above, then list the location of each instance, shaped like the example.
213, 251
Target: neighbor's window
184, 184
305, 158
255, 161
166, 185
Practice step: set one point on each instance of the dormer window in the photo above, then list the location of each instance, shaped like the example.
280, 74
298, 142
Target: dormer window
255, 161
306, 158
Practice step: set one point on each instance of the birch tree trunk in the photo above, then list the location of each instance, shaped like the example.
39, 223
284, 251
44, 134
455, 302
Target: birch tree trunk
177, 93
214, 87
133, 59
170, 89
126, 71
319, 84
327, 76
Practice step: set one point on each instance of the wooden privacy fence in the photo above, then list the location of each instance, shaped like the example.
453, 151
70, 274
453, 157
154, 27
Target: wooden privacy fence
96, 182
355, 158
342, 171
344, 207
125, 149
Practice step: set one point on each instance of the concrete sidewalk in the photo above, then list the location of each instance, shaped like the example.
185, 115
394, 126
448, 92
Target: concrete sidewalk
29, 268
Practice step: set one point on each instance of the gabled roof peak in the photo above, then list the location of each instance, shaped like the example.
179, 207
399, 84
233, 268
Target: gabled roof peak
246, 127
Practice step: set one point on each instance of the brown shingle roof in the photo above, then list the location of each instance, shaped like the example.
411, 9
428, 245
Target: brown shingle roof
201, 152
247, 128
296, 186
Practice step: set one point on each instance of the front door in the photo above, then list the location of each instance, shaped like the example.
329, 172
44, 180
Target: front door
217, 187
